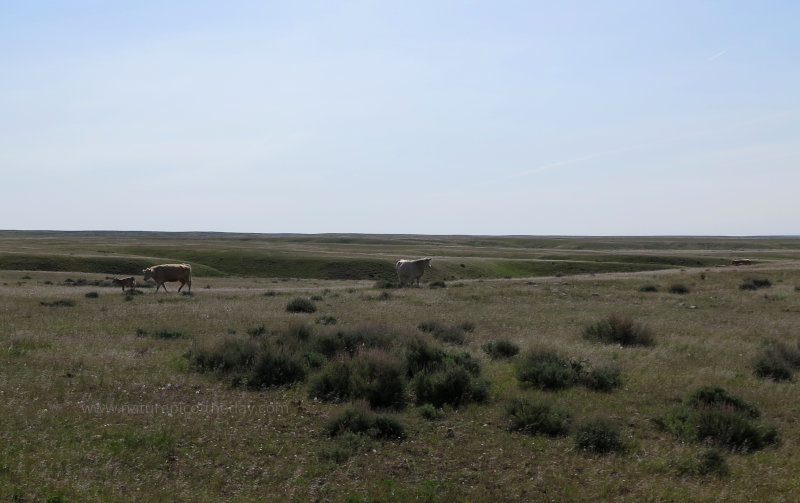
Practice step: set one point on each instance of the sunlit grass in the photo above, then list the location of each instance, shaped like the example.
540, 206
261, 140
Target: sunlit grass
100, 398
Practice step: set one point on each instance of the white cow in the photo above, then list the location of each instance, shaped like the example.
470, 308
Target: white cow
412, 269
169, 272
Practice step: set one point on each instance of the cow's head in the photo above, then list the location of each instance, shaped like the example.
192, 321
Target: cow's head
148, 273
427, 262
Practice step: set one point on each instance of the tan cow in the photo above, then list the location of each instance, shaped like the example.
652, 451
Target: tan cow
130, 282
412, 269
165, 273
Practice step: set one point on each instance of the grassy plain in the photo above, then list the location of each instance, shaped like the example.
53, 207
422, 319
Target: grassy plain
100, 403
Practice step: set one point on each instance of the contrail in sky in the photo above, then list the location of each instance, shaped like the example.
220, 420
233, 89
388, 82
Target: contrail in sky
719, 54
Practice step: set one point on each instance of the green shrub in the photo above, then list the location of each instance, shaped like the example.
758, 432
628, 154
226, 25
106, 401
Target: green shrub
168, 333
707, 462
346, 445
545, 370
58, 303
375, 376
777, 360
679, 289
256, 365
298, 332
537, 418
361, 421
421, 355
257, 331
452, 335
301, 305
715, 397
276, 369
334, 384
429, 412
732, 430
453, 385
648, 288
326, 320
438, 284
711, 414
92, 295
448, 334
501, 349
603, 378
353, 340
599, 435
755, 284
229, 355
619, 329
444, 377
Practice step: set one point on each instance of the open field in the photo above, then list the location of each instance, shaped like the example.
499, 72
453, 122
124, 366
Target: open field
104, 399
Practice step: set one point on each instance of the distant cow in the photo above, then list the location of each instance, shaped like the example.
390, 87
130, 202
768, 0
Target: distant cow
412, 269
741, 261
130, 282
169, 272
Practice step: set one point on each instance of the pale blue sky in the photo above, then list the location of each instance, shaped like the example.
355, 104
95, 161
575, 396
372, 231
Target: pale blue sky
429, 117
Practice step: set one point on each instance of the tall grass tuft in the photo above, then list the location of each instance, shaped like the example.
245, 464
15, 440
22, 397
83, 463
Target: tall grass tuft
445, 333
619, 329
600, 435
537, 418
500, 349
361, 421
301, 305
58, 303
755, 284
444, 377
777, 360
375, 376
545, 369
679, 289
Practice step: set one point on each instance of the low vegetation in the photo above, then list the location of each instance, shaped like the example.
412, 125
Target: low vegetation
228, 393
537, 418
711, 414
755, 284
679, 289
364, 422
599, 435
301, 305
619, 329
777, 360
547, 370
449, 334
500, 349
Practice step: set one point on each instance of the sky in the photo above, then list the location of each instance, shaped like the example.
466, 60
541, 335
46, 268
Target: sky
569, 117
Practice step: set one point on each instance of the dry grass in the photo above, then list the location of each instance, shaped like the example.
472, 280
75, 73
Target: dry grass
96, 411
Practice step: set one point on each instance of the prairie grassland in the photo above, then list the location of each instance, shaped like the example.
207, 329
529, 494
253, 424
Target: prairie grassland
100, 402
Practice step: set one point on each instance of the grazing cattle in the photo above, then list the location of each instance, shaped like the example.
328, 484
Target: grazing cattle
169, 272
130, 282
412, 269
741, 261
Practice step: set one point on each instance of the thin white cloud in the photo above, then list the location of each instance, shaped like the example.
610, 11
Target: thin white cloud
719, 54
